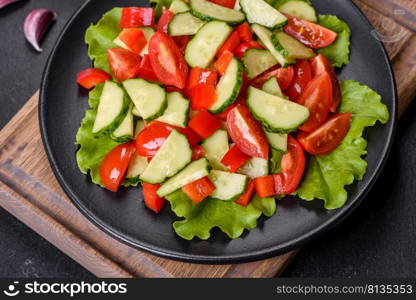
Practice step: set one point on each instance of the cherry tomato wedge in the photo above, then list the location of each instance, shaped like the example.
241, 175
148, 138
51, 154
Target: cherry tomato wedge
317, 97
225, 3
146, 71
245, 33
303, 75
124, 64
285, 77
293, 167
134, 39
310, 34
234, 159
182, 41
320, 64
132, 17
246, 198
243, 47
152, 137
115, 164
151, 199
199, 190
167, 60
223, 116
247, 133
89, 78
164, 20
230, 44
327, 137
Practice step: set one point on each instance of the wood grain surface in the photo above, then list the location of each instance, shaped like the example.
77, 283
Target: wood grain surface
30, 192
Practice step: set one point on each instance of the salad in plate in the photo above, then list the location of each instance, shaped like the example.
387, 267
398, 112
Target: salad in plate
222, 107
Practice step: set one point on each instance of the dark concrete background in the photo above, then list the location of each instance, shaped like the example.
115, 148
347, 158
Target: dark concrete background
378, 240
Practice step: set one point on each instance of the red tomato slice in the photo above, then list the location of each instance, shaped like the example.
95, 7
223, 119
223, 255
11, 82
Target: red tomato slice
310, 34
285, 77
327, 137
115, 164
245, 33
146, 70
89, 78
247, 133
151, 199
124, 64
293, 167
303, 75
167, 60
230, 44
151, 138
320, 64
164, 20
240, 101
132, 17
243, 47
317, 97
225, 3
182, 41
134, 39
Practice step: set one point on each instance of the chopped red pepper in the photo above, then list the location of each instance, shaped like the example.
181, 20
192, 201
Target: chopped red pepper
223, 62
265, 186
234, 159
230, 44
198, 75
225, 3
192, 136
200, 189
203, 96
89, 78
132, 17
205, 124
146, 71
164, 20
246, 198
244, 32
182, 41
134, 39
151, 199
243, 47
198, 152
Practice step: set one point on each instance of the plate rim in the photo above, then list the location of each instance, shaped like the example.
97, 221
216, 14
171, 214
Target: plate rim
264, 253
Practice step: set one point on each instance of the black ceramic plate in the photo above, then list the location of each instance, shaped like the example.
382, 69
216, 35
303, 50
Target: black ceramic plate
124, 216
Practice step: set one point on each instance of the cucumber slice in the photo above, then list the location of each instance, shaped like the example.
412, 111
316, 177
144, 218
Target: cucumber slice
178, 6
260, 12
137, 166
265, 37
172, 157
229, 186
228, 87
255, 167
278, 141
177, 112
125, 130
139, 127
194, 171
275, 113
216, 146
290, 47
272, 87
299, 9
135, 112
148, 33
209, 11
257, 61
184, 24
111, 110
202, 48
149, 98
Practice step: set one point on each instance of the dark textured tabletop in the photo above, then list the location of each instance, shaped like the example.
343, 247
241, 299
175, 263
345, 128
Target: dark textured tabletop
377, 240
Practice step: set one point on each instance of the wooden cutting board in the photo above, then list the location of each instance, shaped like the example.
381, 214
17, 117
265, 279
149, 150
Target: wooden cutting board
30, 192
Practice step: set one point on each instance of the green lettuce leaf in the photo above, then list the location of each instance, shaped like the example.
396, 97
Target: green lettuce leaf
231, 218
327, 175
100, 37
92, 150
338, 52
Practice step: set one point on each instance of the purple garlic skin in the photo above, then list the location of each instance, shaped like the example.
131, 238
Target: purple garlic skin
4, 3
36, 24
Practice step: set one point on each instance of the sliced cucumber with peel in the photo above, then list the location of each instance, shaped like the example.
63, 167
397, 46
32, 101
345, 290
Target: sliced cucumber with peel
271, 86
277, 115
149, 98
135, 112
299, 9
201, 50
255, 167
178, 6
113, 107
260, 12
209, 11
229, 186
139, 127
216, 146
177, 112
256, 61
278, 141
184, 24
194, 171
137, 166
290, 47
265, 36
125, 130
229, 86
171, 158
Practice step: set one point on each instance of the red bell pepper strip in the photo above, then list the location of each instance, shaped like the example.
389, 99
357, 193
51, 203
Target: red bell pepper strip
199, 190
243, 47
204, 124
164, 20
203, 96
225, 3
234, 159
198, 75
246, 198
244, 32
151, 199
265, 186
146, 71
134, 39
182, 41
198, 152
89, 78
132, 17
230, 44
192, 136
223, 62
114, 166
